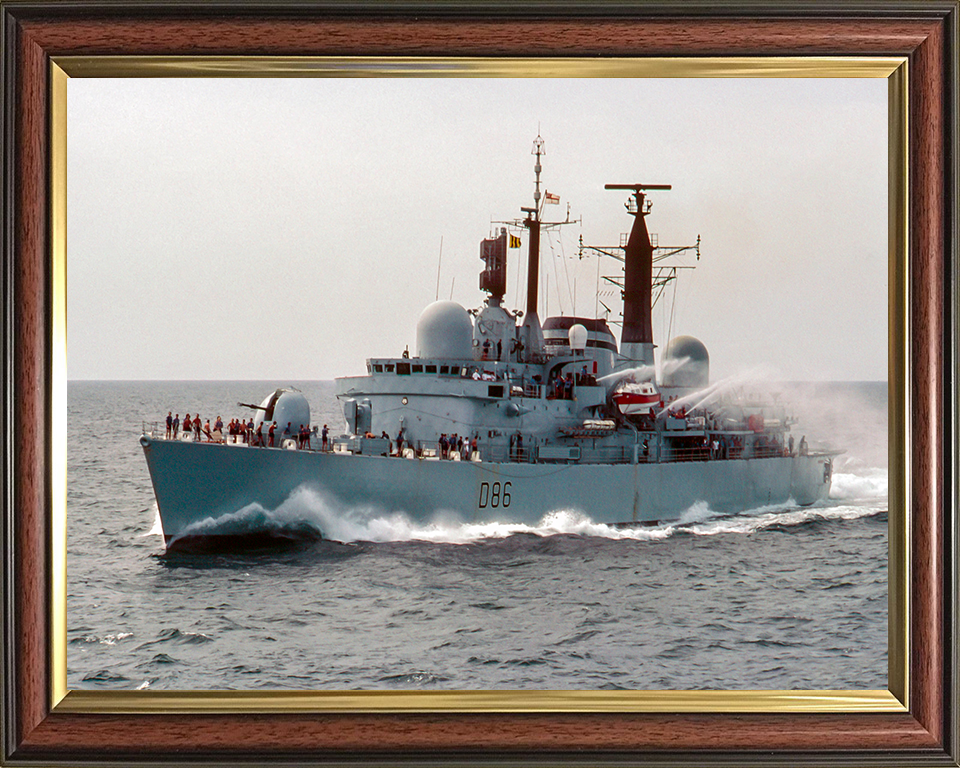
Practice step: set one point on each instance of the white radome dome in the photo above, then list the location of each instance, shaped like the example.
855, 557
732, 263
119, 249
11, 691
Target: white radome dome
577, 336
444, 331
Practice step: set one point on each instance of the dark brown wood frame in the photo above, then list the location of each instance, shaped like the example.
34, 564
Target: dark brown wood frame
925, 32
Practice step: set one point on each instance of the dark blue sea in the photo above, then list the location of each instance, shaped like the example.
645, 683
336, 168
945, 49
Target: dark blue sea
776, 598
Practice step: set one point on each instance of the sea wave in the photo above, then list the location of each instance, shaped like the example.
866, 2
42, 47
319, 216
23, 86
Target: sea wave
291, 516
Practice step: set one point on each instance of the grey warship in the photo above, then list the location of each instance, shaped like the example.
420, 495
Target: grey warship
496, 416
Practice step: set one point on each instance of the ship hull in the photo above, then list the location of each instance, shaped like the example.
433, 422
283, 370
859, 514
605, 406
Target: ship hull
197, 485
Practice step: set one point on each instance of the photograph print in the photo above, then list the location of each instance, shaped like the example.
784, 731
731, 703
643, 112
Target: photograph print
477, 384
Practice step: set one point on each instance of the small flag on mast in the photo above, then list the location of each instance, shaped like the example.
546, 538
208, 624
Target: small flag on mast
550, 198
514, 242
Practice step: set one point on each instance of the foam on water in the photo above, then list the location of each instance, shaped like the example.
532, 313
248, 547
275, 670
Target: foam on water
308, 511
870, 484
758, 520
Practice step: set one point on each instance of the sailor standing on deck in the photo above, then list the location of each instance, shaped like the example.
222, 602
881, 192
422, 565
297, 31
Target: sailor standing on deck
323, 434
169, 423
176, 425
273, 429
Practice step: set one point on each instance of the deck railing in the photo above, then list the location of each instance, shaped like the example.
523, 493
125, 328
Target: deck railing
499, 453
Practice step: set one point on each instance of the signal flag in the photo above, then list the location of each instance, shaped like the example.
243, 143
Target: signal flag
549, 197
514, 241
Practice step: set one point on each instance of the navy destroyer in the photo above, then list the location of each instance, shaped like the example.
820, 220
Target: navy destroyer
499, 417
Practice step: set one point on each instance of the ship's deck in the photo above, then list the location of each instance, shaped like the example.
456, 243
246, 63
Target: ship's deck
648, 449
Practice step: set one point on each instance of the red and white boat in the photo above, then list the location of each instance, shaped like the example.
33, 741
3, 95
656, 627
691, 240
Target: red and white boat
637, 398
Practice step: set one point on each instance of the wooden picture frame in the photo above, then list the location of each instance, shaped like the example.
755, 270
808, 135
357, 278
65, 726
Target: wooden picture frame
39, 729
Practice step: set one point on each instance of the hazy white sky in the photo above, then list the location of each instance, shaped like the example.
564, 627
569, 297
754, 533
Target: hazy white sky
272, 229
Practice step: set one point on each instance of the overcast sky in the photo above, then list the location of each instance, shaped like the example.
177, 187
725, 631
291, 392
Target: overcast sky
291, 228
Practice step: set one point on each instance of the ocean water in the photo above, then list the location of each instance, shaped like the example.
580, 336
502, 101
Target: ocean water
775, 598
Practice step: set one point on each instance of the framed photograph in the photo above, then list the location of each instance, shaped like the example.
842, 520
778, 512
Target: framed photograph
180, 130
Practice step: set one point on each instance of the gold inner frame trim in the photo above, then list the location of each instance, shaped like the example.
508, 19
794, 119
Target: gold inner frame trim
898, 388
58, 375
894, 69
415, 66
145, 702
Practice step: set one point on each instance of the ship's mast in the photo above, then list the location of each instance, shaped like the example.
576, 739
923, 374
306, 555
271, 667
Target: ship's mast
531, 347
531, 332
532, 222
636, 339
644, 276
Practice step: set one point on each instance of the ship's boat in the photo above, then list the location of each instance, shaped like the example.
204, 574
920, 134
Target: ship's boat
639, 398
497, 416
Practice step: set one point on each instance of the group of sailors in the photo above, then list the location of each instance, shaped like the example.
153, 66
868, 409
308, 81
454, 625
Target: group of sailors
561, 385
764, 446
241, 431
448, 445
719, 446
725, 446
489, 348
193, 426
